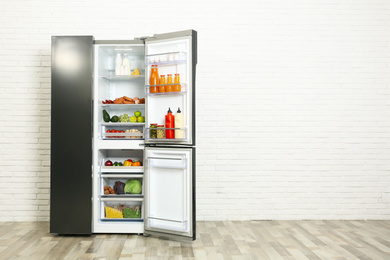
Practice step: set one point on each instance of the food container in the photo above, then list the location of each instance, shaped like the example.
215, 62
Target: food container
153, 131
160, 131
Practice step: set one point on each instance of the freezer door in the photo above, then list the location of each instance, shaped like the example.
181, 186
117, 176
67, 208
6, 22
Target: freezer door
173, 53
170, 192
71, 135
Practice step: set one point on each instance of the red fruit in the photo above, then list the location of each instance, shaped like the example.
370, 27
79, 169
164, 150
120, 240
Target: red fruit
108, 163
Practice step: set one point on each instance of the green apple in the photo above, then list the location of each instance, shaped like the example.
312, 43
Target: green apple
137, 113
133, 119
141, 119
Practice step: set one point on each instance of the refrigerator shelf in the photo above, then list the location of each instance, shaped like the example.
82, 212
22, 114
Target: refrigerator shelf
127, 197
123, 219
124, 106
122, 124
116, 199
123, 169
122, 77
123, 175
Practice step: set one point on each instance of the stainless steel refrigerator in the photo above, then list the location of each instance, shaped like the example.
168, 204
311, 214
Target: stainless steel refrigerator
88, 81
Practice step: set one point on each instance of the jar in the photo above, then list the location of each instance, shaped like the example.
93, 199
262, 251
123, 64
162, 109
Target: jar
161, 88
160, 131
154, 79
153, 131
168, 88
177, 88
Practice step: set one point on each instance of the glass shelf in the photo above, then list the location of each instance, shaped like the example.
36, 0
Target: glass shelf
110, 124
122, 77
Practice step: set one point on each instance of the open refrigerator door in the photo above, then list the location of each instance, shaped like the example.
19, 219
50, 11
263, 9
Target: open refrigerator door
172, 59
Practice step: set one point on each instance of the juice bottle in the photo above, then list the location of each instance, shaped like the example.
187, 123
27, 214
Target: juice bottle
179, 123
162, 81
168, 88
177, 88
169, 123
154, 79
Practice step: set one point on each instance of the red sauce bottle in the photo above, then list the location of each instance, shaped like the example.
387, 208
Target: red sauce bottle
169, 123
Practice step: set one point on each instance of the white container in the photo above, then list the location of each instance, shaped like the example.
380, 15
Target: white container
118, 64
179, 123
126, 65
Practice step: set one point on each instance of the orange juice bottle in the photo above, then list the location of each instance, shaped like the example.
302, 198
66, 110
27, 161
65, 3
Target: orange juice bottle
154, 79
177, 88
168, 88
162, 81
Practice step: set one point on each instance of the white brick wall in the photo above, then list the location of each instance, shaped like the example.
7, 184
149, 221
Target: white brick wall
293, 101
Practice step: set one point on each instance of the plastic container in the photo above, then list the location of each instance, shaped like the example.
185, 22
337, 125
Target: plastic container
126, 65
179, 123
118, 64
169, 123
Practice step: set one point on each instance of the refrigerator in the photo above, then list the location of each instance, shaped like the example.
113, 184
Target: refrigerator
90, 84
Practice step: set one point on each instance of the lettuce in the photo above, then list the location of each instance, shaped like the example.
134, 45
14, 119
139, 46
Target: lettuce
133, 186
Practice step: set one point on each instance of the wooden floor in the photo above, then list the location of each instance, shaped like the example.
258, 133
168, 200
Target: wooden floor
215, 240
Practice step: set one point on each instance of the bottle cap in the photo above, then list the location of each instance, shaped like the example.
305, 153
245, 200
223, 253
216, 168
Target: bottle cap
169, 75
169, 110
178, 110
162, 75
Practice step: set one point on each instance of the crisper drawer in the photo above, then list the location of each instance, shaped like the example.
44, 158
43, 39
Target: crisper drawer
122, 131
121, 209
121, 186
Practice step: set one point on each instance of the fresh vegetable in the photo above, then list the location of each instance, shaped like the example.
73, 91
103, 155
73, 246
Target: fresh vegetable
108, 163
119, 187
133, 119
106, 116
136, 163
133, 186
108, 190
129, 160
116, 164
127, 163
113, 213
114, 119
141, 119
132, 212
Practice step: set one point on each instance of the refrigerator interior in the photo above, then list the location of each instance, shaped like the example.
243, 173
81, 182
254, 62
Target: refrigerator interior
171, 57
110, 86
106, 203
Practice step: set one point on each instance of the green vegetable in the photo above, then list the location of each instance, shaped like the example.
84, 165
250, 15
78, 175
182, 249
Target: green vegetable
133, 186
124, 118
132, 212
106, 116
114, 119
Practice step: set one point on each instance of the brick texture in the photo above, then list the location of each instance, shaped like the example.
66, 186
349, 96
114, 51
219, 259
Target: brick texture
293, 102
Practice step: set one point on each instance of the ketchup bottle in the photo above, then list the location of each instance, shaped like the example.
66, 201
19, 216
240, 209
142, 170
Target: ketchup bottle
169, 123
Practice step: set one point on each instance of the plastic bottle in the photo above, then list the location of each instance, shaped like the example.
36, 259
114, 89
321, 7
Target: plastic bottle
154, 79
118, 64
179, 123
169, 123
126, 65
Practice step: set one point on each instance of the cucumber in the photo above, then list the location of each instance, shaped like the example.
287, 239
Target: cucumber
106, 116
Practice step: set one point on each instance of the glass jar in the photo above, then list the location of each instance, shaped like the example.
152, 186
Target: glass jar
160, 131
154, 79
168, 88
177, 88
153, 131
161, 88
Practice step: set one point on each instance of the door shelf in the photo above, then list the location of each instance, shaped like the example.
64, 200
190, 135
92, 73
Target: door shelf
183, 131
123, 77
182, 92
169, 58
